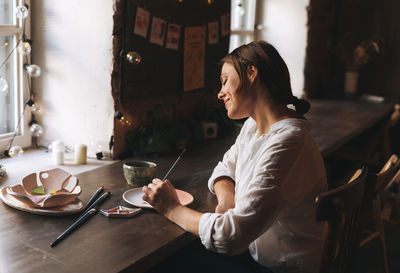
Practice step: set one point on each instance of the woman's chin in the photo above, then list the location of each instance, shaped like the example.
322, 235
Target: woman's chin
230, 115
235, 115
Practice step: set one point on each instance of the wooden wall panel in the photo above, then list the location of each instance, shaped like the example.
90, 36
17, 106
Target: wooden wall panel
157, 82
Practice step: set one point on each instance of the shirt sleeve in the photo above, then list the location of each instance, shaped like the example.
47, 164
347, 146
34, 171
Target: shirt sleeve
255, 211
232, 232
227, 166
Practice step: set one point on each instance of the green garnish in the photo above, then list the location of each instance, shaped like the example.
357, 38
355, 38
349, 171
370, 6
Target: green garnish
39, 191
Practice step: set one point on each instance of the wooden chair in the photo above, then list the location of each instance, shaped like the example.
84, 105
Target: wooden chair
391, 202
342, 209
383, 180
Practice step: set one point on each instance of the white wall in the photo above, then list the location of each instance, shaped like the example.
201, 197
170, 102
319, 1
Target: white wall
284, 25
72, 43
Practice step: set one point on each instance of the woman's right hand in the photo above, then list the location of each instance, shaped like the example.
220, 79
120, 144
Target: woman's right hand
224, 188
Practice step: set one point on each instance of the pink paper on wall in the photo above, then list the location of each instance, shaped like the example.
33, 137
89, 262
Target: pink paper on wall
141, 22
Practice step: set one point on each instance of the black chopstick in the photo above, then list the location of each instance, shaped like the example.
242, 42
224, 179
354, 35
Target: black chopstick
173, 165
94, 197
74, 226
96, 202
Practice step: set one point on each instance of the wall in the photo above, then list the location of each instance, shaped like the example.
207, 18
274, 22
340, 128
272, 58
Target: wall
284, 26
72, 43
336, 28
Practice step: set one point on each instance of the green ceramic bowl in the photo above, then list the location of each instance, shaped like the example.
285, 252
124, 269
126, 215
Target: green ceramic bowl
139, 173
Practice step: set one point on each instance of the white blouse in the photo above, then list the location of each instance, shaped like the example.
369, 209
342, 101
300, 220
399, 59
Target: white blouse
277, 177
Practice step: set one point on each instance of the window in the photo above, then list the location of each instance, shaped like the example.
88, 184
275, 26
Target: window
242, 22
283, 23
13, 118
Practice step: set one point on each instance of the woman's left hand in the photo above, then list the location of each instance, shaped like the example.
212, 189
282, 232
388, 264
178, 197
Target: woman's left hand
161, 195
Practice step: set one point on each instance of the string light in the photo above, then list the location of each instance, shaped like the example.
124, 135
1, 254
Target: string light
3, 82
2, 171
25, 48
22, 11
103, 150
33, 70
4, 45
133, 57
119, 116
36, 130
3, 85
36, 109
30, 102
14, 151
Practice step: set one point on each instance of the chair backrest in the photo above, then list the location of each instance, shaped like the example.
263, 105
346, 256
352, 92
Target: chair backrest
394, 180
387, 173
342, 209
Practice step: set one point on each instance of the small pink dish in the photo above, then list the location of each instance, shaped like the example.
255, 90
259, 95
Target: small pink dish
57, 188
120, 211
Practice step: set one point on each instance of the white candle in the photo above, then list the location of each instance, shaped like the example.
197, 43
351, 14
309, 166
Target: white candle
80, 153
58, 157
58, 150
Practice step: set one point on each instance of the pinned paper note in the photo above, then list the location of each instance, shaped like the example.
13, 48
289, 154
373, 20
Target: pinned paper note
213, 32
194, 54
173, 36
158, 28
141, 22
225, 24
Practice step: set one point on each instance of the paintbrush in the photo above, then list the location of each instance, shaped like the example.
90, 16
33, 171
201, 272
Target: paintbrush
173, 165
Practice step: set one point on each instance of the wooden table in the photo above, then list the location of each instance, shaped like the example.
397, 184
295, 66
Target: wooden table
135, 244
336, 122
106, 244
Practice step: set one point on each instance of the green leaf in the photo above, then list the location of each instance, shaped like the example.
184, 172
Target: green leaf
39, 191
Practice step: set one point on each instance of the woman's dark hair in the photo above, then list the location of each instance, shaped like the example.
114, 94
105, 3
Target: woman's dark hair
272, 70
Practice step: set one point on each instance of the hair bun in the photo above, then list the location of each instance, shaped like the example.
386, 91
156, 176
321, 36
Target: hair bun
302, 106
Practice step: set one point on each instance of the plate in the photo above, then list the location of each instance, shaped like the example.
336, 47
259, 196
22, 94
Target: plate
71, 208
134, 197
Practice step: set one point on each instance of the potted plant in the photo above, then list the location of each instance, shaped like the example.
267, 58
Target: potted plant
362, 54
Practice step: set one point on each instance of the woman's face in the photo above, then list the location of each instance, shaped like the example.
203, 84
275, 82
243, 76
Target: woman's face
236, 103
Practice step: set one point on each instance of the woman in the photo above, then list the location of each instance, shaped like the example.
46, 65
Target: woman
267, 181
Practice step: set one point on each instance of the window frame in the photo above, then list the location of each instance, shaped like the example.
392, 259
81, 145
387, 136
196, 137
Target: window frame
21, 93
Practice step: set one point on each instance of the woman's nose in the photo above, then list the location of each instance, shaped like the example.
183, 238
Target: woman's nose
221, 95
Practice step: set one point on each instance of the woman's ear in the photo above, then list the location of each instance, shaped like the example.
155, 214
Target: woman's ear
252, 73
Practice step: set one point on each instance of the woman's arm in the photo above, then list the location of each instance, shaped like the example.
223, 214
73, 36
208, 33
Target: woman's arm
224, 188
162, 196
229, 232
